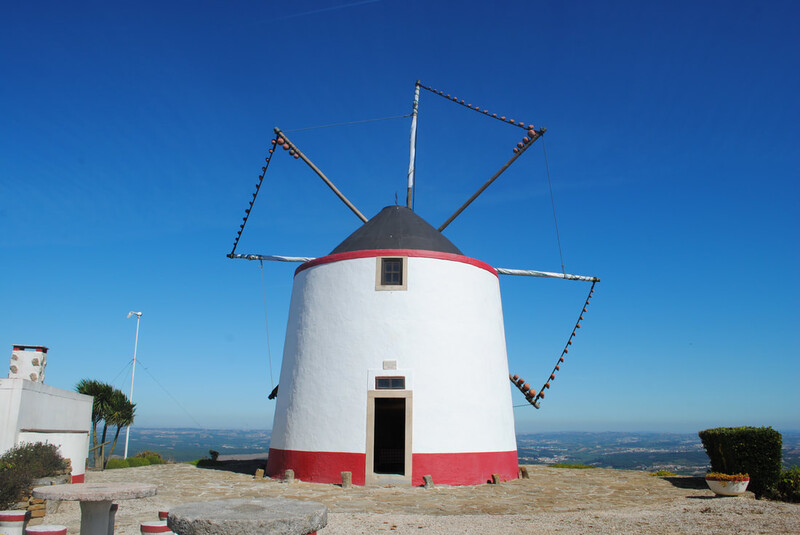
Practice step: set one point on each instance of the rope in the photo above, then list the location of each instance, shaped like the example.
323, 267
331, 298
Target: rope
253, 200
347, 123
560, 361
275, 143
178, 403
553, 202
266, 320
530, 393
124, 368
477, 108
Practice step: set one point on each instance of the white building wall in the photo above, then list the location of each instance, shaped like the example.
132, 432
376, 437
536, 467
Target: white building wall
10, 396
35, 412
446, 330
44, 407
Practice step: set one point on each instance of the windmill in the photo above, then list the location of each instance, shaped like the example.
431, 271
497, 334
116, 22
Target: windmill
381, 332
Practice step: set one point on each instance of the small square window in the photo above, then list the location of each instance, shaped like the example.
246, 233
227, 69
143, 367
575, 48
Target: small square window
392, 271
390, 383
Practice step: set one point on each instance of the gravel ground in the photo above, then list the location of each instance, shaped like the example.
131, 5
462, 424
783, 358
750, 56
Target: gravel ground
553, 500
740, 516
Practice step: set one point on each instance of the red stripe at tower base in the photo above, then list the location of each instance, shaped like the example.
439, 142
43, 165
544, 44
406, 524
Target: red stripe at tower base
446, 468
464, 468
317, 466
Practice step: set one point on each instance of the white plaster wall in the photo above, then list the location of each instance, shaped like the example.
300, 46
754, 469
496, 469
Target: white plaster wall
446, 329
44, 407
29, 410
10, 395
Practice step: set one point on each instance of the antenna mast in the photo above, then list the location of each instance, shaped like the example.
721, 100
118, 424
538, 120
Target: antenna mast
413, 148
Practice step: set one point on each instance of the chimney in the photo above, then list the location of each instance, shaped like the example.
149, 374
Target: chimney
28, 362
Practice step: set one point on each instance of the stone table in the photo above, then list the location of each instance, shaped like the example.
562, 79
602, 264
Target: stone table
95, 500
248, 516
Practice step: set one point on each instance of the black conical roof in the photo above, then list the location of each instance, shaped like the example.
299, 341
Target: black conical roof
396, 227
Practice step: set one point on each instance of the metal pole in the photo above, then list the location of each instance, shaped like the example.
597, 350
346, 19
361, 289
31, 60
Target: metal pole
412, 152
321, 175
494, 177
133, 373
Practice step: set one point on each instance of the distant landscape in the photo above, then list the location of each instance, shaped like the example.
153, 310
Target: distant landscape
676, 452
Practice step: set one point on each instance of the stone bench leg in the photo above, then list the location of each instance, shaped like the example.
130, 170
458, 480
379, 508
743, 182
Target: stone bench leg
94, 517
112, 517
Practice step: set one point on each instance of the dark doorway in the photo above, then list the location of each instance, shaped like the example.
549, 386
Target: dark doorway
390, 436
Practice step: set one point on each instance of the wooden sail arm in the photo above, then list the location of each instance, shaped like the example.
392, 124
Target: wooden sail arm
273, 258
412, 156
501, 271
517, 154
316, 169
548, 274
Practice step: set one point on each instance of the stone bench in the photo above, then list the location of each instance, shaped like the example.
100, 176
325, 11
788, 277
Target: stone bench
248, 516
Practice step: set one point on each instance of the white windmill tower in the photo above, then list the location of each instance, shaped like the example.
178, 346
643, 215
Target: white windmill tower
380, 332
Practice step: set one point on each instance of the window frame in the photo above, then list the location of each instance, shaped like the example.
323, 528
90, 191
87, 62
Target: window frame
379, 272
391, 378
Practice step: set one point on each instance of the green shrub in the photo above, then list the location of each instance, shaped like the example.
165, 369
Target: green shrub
137, 461
13, 483
663, 473
788, 486
752, 450
40, 460
117, 463
20, 465
152, 457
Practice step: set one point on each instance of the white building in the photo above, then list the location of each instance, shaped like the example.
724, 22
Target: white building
31, 411
394, 363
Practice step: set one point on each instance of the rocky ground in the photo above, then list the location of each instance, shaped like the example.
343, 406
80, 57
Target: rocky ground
553, 500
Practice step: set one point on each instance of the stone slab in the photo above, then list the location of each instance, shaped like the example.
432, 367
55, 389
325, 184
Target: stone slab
95, 492
248, 516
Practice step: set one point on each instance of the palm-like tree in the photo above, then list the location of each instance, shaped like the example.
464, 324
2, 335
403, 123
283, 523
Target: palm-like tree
102, 393
120, 414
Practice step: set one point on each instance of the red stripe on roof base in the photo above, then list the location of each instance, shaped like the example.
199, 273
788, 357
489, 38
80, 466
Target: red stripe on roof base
411, 253
79, 478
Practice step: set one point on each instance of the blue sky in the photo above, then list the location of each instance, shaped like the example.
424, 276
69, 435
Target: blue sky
133, 134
